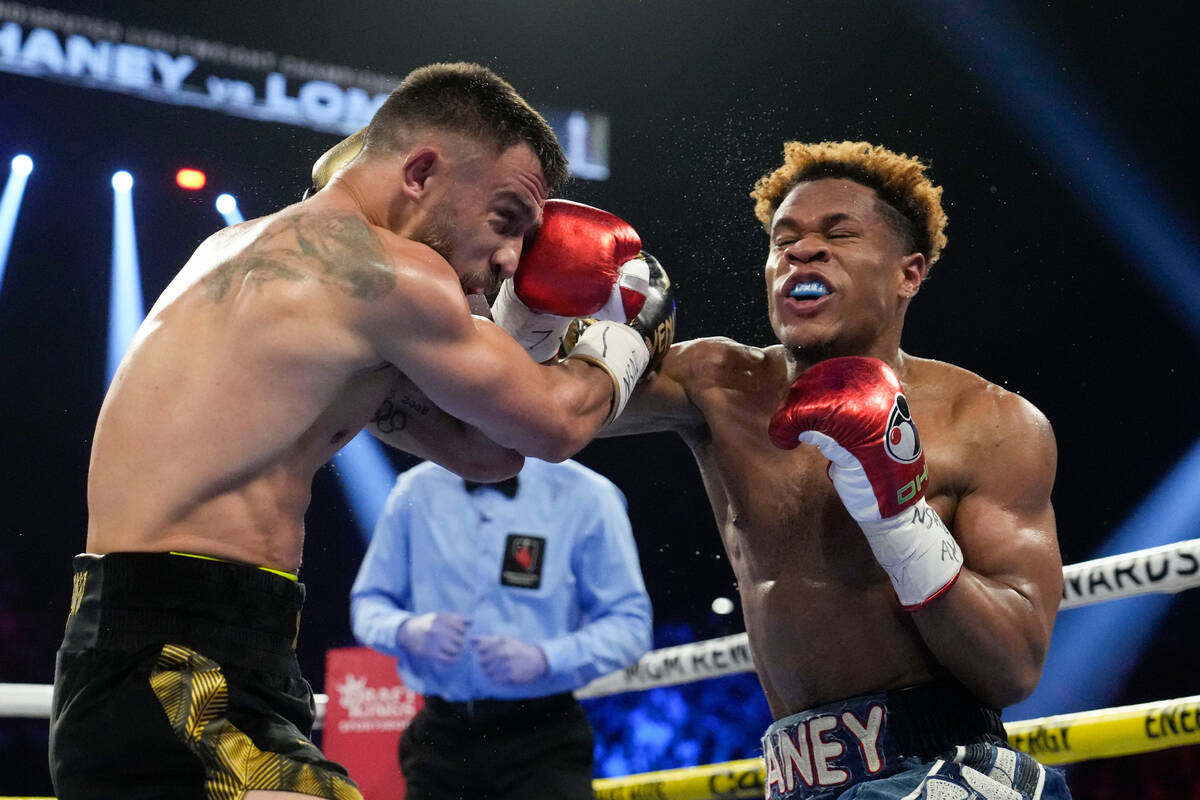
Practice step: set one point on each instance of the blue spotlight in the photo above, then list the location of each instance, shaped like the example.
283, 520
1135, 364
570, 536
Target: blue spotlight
1103, 172
228, 208
10, 205
366, 476
122, 181
1095, 647
125, 306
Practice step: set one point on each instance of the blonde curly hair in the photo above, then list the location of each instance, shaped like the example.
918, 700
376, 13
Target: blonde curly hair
898, 179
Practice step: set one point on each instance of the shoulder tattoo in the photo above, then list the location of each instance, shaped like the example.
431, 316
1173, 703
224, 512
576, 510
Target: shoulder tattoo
340, 250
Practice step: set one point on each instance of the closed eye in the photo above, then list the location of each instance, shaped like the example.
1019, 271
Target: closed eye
514, 215
506, 223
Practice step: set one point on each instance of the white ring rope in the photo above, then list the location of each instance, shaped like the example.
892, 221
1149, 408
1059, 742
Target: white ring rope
25, 699
1168, 569
1165, 570
1157, 570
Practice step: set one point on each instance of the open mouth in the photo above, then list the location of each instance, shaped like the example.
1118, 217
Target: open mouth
809, 290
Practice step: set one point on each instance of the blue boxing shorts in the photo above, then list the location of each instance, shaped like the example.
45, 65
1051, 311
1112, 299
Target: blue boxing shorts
923, 742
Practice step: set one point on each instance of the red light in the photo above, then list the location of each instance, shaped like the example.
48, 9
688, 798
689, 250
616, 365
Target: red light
188, 178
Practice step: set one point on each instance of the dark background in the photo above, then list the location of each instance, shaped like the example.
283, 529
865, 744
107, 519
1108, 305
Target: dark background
1037, 290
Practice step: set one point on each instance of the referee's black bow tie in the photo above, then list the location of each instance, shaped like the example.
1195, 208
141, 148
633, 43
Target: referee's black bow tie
508, 486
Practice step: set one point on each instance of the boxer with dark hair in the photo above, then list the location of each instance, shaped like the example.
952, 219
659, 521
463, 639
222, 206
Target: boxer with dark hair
276, 343
887, 517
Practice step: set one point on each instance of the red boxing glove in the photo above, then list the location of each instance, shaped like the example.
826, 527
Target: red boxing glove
583, 262
575, 260
855, 411
858, 404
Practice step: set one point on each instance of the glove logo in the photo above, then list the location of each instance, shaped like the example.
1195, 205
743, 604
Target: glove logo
901, 441
524, 554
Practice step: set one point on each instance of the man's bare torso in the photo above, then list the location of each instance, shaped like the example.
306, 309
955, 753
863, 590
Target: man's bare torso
822, 619
242, 382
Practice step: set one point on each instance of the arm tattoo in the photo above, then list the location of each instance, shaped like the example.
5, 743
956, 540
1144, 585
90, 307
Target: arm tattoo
340, 251
390, 417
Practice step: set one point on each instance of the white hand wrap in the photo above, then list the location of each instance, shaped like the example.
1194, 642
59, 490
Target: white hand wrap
918, 553
914, 547
619, 350
539, 333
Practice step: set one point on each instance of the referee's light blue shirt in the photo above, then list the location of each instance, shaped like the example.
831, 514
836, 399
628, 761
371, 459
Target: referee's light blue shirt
438, 547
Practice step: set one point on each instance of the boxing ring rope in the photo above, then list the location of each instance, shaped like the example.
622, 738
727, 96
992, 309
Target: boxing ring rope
1060, 739
1056, 740
1168, 569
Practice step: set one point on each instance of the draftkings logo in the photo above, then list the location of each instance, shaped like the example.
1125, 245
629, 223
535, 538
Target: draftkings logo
370, 708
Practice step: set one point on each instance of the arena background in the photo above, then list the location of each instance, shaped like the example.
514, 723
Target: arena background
1060, 132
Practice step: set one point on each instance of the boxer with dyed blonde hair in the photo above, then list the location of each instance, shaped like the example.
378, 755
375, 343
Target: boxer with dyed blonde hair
887, 516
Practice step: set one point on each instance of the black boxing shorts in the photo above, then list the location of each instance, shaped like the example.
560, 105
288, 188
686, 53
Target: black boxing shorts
177, 677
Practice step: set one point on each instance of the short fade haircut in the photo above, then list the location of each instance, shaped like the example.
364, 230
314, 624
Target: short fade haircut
472, 101
913, 205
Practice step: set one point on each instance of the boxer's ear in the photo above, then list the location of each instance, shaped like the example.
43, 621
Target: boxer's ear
913, 269
420, 165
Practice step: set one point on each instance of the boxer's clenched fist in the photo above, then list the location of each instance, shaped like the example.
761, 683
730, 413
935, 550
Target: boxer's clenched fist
655, 321
582, 261
854, 410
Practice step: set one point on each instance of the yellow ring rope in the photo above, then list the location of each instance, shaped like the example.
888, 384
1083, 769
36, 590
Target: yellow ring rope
1061, 739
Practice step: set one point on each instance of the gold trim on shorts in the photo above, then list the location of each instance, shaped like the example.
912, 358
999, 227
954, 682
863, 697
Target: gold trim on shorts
291, 576
194, 695
78, 584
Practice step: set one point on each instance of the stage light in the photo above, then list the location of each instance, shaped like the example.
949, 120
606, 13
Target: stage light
125, 306
188, 178
366, 477
228, 208
722, 606
1083, 640
10, 205
1084, 670
1082, 146
579, 149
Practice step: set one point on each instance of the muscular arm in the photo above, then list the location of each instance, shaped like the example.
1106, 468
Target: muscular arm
992, 628
474, 371
409, 421
662, 403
